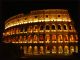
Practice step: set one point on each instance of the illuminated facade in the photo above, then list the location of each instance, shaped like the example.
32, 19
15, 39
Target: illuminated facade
49, 31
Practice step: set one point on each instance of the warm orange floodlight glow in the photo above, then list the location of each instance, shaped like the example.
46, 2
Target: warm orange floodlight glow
42, 32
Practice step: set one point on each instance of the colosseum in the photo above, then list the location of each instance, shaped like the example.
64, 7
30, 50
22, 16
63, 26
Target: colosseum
42, 32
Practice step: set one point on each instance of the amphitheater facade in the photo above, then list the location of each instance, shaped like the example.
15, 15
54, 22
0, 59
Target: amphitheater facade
41, 32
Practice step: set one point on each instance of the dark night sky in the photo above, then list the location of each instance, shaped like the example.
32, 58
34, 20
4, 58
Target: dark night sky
13, 7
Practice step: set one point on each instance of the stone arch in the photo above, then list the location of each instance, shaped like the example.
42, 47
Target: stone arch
54, 49
35, 50
65, 27
47, 27
41, 27
71, 49
60, 50
59, 26
41, 50
25, 49
53, 27
29, 49
66, 50
60, 38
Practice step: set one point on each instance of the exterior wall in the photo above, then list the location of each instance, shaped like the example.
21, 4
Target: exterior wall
46, 32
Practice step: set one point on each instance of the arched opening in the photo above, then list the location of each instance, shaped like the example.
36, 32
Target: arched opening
66, 38
71, 38
14, 40
60, 39
59, 27
47, 38
20, 39
35, 50
21, 50
76, 38
41, 50
35, 28
76, 49
30, 50
24, 28
21, 29
41, 27
30, 29
17, 31
53, 27
17, 39
64, 27
29, 39
54, 38
41, 38
54, 49
47, 49
25, 49
60, 50
13, 31
71, 49
47, 27
35, 38
66, 50
70, 27
25, 39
